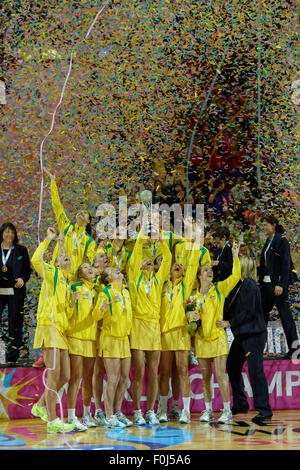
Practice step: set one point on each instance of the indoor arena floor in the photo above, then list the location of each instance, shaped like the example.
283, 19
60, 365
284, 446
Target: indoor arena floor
282, 433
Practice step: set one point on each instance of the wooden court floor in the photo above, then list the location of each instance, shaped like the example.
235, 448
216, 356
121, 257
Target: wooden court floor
282, 433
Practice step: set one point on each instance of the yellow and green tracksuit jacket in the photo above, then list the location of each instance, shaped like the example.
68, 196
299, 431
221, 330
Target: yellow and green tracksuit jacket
82, 324
53, 307
79, 245
117, 317
145, 291
174, 296
212, 308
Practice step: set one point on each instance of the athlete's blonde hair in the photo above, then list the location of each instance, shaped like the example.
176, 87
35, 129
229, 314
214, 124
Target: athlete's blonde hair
248, 268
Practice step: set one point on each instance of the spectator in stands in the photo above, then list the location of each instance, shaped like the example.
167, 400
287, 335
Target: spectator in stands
250, 213
219, 200
163, 191
239, 190
239, 193
201, 189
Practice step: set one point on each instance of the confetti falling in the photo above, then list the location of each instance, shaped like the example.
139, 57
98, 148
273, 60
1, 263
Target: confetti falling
138, 83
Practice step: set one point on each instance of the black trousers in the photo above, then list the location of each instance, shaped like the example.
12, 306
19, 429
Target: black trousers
249, 348
15, 304
269, 299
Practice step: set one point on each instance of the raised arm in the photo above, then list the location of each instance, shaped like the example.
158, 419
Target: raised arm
165, 266
205, 259
91, 250
62, 220
136, 258
43, 268
191, 271
230, 282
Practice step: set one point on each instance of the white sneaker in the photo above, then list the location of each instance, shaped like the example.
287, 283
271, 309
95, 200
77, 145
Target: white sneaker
88, 421
151, 417
113, 422
185, 417
207, 416
99, 418
138, 418
226, 417
79, 427
163, 418
121, 417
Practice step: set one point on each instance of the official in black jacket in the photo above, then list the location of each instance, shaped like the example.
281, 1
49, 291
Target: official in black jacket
15, 271
222, 259
275, 274
250, 335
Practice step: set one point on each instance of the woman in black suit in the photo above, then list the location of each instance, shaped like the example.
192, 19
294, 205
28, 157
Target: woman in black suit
15, 271
275, 274
250, 335
222, 260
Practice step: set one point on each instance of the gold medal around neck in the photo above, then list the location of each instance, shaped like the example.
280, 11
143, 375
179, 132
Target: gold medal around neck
75, 252
124, 311
4, 269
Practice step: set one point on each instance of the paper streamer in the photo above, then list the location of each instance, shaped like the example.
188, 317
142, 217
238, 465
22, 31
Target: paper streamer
40, 210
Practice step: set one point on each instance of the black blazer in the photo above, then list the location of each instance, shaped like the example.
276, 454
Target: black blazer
278, 262
19, 264
224, 268
248, 315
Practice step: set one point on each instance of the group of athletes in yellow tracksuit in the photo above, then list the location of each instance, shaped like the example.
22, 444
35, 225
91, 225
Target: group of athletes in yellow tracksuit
104, 308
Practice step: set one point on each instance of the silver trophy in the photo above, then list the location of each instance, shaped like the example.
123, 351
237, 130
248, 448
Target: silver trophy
146, 201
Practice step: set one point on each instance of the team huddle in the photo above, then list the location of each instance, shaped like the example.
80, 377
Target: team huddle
128, 302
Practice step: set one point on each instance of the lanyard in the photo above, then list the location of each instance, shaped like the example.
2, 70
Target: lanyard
155, 248
88, 294
218, 257
120, 299
148, 286
67, 281
5, 258
265, 254
118, 263
170, 296
204, 297
76, 241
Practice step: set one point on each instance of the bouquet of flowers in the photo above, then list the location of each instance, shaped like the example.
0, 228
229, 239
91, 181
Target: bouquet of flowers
192, 326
